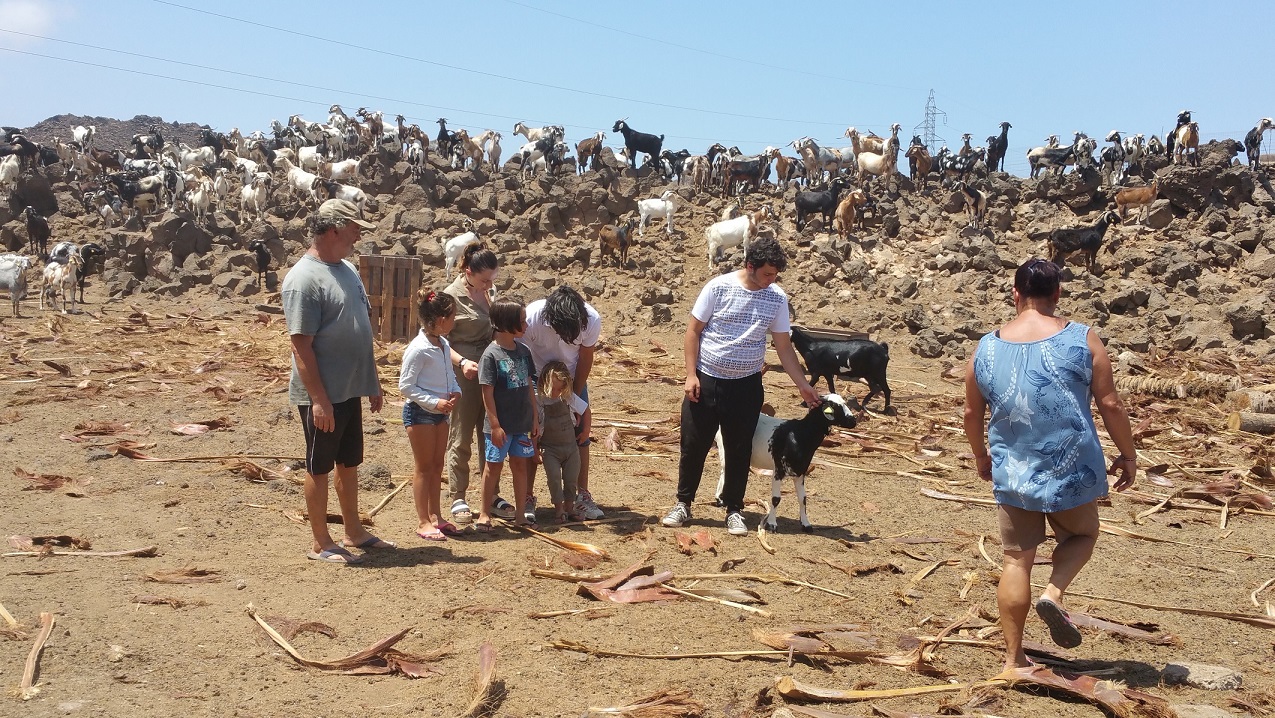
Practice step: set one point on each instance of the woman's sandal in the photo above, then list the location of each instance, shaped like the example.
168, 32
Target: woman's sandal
432, 535
461, 512
482, 527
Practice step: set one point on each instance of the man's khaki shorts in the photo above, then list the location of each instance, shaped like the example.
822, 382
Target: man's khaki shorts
1023, 530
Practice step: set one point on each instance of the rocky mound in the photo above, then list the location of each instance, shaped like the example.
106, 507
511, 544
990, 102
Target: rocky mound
1197, 276
112, 133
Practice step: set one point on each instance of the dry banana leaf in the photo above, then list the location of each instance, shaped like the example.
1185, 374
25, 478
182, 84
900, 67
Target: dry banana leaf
28, 686
486, 689
29, 543
1145, 632
144, 552
666, 703
153, 600
576, 546
185, 575
378, 658
791, 639
1259, 621
791, 689
588, 588
1117, 701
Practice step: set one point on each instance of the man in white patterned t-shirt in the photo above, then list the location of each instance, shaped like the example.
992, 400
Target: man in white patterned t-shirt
725, 351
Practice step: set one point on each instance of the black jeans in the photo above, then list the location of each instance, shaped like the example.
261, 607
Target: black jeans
731, 405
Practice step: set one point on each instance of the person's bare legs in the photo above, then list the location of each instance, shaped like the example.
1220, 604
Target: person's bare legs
1069, 557
491, 479
1014, 599
316, 508
434, 478
429, 443
521, 470
582, 484
347, 495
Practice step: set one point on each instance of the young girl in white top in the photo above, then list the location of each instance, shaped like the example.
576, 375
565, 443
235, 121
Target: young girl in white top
430, 389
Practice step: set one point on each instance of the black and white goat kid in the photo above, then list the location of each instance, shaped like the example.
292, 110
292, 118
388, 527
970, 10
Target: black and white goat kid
787, 446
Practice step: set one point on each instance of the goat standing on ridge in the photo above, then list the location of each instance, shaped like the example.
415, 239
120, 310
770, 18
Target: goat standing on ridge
636, 142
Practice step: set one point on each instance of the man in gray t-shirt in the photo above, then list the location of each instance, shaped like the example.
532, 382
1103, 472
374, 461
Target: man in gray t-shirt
332, 369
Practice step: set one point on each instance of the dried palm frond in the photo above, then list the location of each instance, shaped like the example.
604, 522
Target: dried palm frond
185, 575
486, 689
569, 545
665, 703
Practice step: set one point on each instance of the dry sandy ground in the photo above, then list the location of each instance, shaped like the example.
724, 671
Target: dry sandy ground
198, 360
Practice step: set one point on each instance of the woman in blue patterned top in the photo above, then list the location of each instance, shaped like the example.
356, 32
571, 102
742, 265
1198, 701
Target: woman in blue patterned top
1038, 375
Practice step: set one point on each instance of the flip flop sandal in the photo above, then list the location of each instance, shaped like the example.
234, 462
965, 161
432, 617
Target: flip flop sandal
483, 528
333, 555
461, 512
370, 543
1061, 629
503, 509
434, 535
449, 529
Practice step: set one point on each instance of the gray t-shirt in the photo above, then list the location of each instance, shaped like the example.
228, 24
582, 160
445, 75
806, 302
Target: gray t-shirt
510, 373
327, 302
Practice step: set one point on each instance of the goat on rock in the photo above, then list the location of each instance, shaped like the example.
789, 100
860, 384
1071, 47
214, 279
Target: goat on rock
636, 142
1253, 141
1065, 241
787, 446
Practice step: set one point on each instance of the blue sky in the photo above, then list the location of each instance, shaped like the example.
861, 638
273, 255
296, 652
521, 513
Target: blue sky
744, 73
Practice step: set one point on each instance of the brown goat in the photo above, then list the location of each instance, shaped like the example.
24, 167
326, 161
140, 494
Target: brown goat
589, 152
919, 162
615, 240
848, 214
1137, 198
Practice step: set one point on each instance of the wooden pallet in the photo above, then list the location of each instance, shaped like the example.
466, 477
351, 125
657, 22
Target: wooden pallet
391, 284
833, 334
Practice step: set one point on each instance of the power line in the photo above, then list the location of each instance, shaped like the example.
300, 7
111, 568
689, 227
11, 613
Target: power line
484, 73
319, 103
702, 51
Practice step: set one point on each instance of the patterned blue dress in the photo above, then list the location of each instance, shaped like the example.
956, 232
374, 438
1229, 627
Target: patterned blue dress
1043, 442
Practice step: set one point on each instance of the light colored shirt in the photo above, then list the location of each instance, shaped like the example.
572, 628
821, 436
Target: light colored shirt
426, 376
546, 345
1041, 434
327, 302
737, 321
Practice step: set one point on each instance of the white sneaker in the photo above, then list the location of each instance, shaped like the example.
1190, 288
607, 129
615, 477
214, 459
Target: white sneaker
680, 514
586, 509
735, 524
529, 509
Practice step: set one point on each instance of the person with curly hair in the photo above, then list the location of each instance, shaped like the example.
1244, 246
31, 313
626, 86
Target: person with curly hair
725, 353
565, 328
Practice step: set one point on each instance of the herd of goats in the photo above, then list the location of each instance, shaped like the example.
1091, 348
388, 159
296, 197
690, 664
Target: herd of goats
317, 161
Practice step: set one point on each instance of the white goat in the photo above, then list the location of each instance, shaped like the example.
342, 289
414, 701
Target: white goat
338, 171
454, 247
308, 158
662, 207
13, 268
221, 187
199, 194
187, 157
85, 137
734, 232
10, 170
416, 158
336, 190
489, 140
59, 277
255, 194
298, 179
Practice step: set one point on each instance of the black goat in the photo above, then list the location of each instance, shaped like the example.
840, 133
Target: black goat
824, 202
446, 139
263, 260
1065, 241
27, 151
1171, 139
636, 142
1253, 142
996, 148
38, 233
215, 140
848, 359
91, 255
1054, 157
672, 164
7, 134
746, 171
